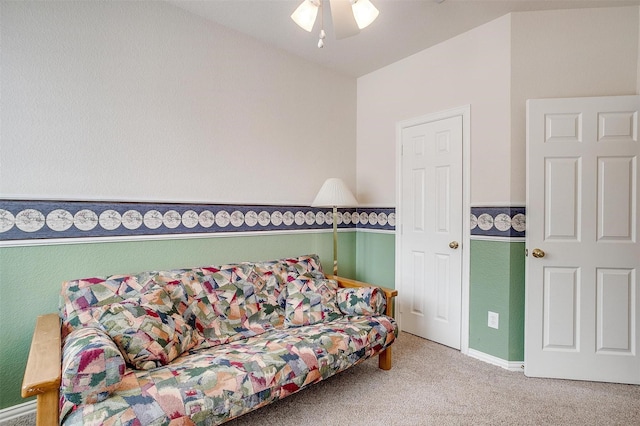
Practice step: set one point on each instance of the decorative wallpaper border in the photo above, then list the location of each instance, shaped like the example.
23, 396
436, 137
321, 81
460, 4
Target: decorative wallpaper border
38, 220
508, 221
374, 218
42, 220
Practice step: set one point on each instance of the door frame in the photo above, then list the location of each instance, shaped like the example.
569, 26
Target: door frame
464, 112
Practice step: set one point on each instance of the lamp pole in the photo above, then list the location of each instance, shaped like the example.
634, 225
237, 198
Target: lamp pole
335, 240
334, 193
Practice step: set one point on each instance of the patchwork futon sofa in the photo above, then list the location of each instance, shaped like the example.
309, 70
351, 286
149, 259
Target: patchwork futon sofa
202, 345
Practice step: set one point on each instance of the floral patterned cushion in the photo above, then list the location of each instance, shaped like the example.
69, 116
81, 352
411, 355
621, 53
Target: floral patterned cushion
361, 301
146, 337
214, 385
211, 382
178, 295
271, 278
149, 331
92, 366
310, 301
230, 312
79, 298
305, 265
229, 273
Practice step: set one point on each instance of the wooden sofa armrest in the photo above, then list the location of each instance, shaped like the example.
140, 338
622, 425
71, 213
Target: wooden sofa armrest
43, 371
348, 282
384, 359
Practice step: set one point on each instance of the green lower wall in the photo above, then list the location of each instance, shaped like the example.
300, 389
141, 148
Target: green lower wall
516, 302
376, 258
30, 277
496, 283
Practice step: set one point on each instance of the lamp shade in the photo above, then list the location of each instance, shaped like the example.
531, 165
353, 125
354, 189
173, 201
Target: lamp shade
364, 13
334, 193
305, 15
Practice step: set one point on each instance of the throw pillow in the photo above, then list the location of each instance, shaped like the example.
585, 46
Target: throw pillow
361, 301
308, 265
231, 312
310, 301
92, 368
148, 334
270, 280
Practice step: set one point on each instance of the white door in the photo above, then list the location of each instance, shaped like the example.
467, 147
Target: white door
431, 227
582, 297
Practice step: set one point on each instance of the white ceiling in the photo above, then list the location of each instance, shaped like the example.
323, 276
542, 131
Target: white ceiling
404, 27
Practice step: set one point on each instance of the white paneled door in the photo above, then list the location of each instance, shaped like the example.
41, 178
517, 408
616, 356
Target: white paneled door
582, 297
431, 227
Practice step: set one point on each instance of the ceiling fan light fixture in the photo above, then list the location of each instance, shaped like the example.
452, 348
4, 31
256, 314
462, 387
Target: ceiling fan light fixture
305, 14
364, 12
349, 16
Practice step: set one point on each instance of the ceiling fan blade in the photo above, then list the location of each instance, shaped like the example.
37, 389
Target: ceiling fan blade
344, 24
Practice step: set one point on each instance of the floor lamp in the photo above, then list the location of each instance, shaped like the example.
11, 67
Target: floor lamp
334, 193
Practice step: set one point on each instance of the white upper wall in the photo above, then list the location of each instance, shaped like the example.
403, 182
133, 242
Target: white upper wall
144, 101
473, 68
495, 68
566, 54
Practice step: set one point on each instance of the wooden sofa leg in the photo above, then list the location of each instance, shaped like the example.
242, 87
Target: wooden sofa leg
47, 407
384, 359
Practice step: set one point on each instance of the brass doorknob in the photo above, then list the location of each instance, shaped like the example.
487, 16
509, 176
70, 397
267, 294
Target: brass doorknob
454, 244
537, 253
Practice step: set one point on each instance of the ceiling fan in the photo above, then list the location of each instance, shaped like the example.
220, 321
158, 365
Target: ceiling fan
348, 16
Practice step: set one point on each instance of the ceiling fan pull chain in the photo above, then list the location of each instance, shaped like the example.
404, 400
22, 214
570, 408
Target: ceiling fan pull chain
322, 33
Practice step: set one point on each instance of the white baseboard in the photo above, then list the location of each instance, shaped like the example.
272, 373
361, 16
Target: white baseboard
16, 411
507, 365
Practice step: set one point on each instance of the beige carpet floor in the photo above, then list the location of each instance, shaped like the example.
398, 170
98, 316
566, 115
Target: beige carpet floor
431, 384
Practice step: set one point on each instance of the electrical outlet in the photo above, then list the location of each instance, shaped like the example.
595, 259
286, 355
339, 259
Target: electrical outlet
493, 320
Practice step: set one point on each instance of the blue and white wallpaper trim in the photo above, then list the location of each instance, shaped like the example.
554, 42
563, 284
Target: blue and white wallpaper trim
507, 222
24, 220
33, 220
